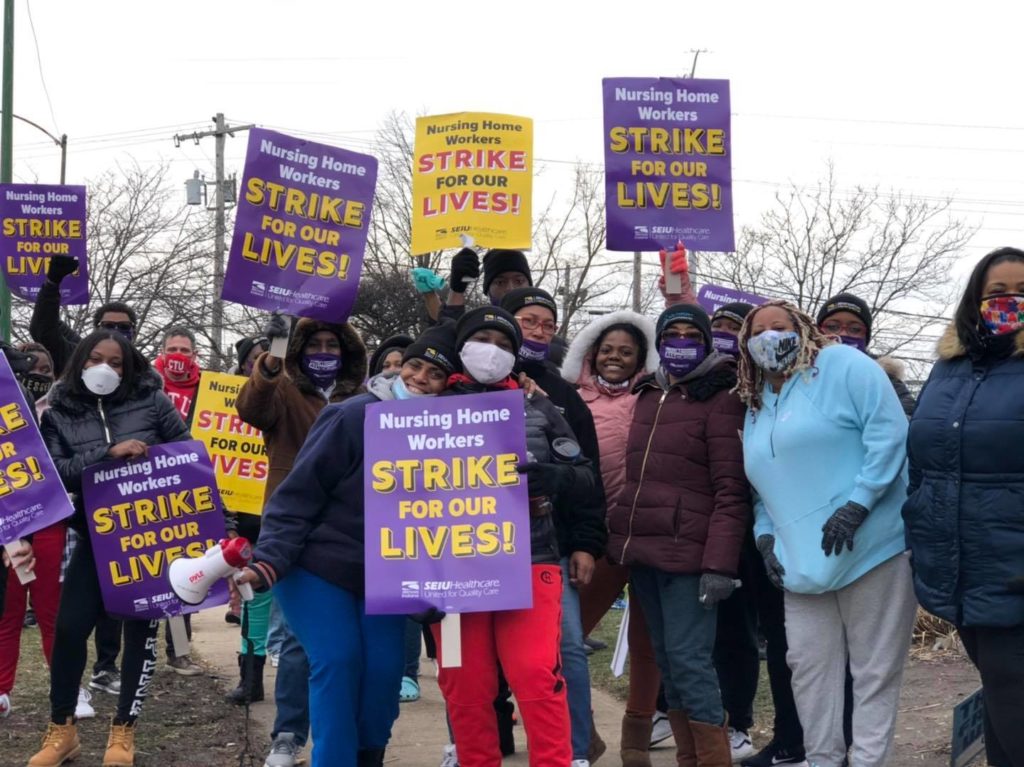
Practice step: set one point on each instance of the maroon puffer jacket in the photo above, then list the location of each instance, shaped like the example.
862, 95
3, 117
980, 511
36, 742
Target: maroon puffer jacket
686, 503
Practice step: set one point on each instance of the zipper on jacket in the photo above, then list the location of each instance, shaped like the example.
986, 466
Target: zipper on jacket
643, 470
771, 432
103, 418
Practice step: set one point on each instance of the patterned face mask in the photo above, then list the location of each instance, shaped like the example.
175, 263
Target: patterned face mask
1003, 313
774, 351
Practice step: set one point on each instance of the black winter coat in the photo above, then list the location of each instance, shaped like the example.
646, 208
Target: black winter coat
47, 328
965, 508
79, 432
579, 516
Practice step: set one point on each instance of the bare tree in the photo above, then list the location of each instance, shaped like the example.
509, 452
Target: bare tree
893, 250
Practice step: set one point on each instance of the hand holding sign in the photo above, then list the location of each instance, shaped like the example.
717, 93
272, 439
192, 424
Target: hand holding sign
130, 448
60, 267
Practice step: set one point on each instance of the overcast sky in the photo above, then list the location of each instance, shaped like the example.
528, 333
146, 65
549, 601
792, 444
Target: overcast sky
921, 97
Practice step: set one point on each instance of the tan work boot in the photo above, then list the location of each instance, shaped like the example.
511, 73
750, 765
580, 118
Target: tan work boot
120, 746
712, 741
686, 748
635, 744
597, 745
60, 744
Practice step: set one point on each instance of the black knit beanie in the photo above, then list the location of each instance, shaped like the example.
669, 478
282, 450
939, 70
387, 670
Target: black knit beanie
847, 302
737, 312
499, 261
488, 318
436, 345
516, 299
691, 313
245, 346
398, 343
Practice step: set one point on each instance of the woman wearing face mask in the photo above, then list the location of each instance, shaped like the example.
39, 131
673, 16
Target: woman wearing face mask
824, 449
524, 642
324, 364
48, 547
108, 405
310, 551
679, 521
605, 360
965, 511
848, 318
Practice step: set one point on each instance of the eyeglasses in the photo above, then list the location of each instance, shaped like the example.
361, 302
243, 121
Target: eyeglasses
529, 323
123, 327
836, 328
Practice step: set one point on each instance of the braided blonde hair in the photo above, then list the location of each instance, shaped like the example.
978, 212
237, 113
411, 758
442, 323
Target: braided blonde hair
751, 378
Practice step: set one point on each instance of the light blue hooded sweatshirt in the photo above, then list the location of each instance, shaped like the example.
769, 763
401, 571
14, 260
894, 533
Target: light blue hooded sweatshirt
834, 434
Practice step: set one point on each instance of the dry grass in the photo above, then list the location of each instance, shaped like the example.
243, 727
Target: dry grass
933, 636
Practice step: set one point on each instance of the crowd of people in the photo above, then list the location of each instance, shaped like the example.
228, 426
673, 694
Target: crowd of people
753, 474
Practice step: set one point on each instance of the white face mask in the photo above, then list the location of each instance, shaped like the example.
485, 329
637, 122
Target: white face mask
101, 379
486, 363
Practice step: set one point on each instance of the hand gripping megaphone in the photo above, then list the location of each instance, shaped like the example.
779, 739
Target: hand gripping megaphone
192, 578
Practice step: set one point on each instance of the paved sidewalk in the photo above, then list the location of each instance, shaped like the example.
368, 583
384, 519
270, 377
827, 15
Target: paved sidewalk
420, 734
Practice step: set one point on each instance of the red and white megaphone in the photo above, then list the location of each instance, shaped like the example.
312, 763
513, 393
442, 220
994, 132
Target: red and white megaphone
192, 578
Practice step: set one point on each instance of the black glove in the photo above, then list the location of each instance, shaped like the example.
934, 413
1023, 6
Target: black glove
21, 362
774, 568
714, 588
841, 526
60, 267
429, 616
465, 269
277, 327
546, 479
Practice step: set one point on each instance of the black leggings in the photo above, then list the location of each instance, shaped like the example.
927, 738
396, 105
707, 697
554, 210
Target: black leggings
998, 654
81, 606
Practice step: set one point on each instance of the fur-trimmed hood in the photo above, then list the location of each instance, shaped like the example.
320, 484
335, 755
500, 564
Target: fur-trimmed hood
950, 346
577, 360
893, 367
353, 356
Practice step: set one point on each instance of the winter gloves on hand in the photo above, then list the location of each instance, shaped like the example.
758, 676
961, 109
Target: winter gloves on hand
426, 280
277, 327
841, 526
546, 479
774, 568
714, 588
465, 269
60, 267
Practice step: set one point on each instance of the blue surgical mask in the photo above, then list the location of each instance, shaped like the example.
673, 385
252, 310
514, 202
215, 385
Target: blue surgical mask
399, 389
775, 351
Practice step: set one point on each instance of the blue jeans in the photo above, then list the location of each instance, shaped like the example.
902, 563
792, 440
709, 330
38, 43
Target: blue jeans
355, 663
575, 667
275, 629
683, 635
413, 649
291, 691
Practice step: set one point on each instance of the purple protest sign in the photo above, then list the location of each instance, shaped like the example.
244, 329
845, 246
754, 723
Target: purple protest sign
668, 166
145, 513
712, 297
300, 227
31, 494
447, 514
41, 221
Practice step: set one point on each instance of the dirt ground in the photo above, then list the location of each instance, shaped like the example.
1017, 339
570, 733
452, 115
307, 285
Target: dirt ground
186, 721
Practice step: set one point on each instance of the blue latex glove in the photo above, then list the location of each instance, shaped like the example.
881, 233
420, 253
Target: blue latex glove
426, 280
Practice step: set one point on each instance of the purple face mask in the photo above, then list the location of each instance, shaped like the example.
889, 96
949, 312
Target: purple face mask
533, 351
725, 343
322, 369
680, 356
857, 343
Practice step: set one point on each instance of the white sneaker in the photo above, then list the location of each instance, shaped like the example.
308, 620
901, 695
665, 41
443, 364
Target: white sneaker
741, 745
5, 706
580, 763
275, 658
450, 759
662, 729
84, 709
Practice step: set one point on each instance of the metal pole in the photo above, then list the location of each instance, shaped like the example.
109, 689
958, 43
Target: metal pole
219, 247
637, 269
6, 147
63, 156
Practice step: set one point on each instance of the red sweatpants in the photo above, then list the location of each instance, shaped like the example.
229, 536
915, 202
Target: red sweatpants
48, 547
595, 600
526, 642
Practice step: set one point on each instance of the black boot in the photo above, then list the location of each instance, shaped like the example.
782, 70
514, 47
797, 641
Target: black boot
250, 687
370, 757
506, 736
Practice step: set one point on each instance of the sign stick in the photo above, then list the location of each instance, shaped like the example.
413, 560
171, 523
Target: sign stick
451, 641
279, 346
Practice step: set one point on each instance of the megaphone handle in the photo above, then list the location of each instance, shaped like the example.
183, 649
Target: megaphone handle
244, 589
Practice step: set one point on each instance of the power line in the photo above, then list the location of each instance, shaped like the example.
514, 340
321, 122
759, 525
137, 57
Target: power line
39, 61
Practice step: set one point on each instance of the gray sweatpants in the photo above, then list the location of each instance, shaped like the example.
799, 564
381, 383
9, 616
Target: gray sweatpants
870, 622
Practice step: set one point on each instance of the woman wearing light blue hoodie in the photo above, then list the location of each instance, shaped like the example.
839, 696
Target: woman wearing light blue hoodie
824, 447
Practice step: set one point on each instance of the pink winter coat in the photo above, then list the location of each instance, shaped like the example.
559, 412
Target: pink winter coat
612, 408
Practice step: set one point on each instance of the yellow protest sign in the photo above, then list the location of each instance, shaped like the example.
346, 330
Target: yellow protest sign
472, 174
236, 448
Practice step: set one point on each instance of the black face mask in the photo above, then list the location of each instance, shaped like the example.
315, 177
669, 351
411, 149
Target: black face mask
37, 384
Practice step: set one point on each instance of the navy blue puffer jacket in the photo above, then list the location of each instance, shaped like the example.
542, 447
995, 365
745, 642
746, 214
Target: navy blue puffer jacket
965, 511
